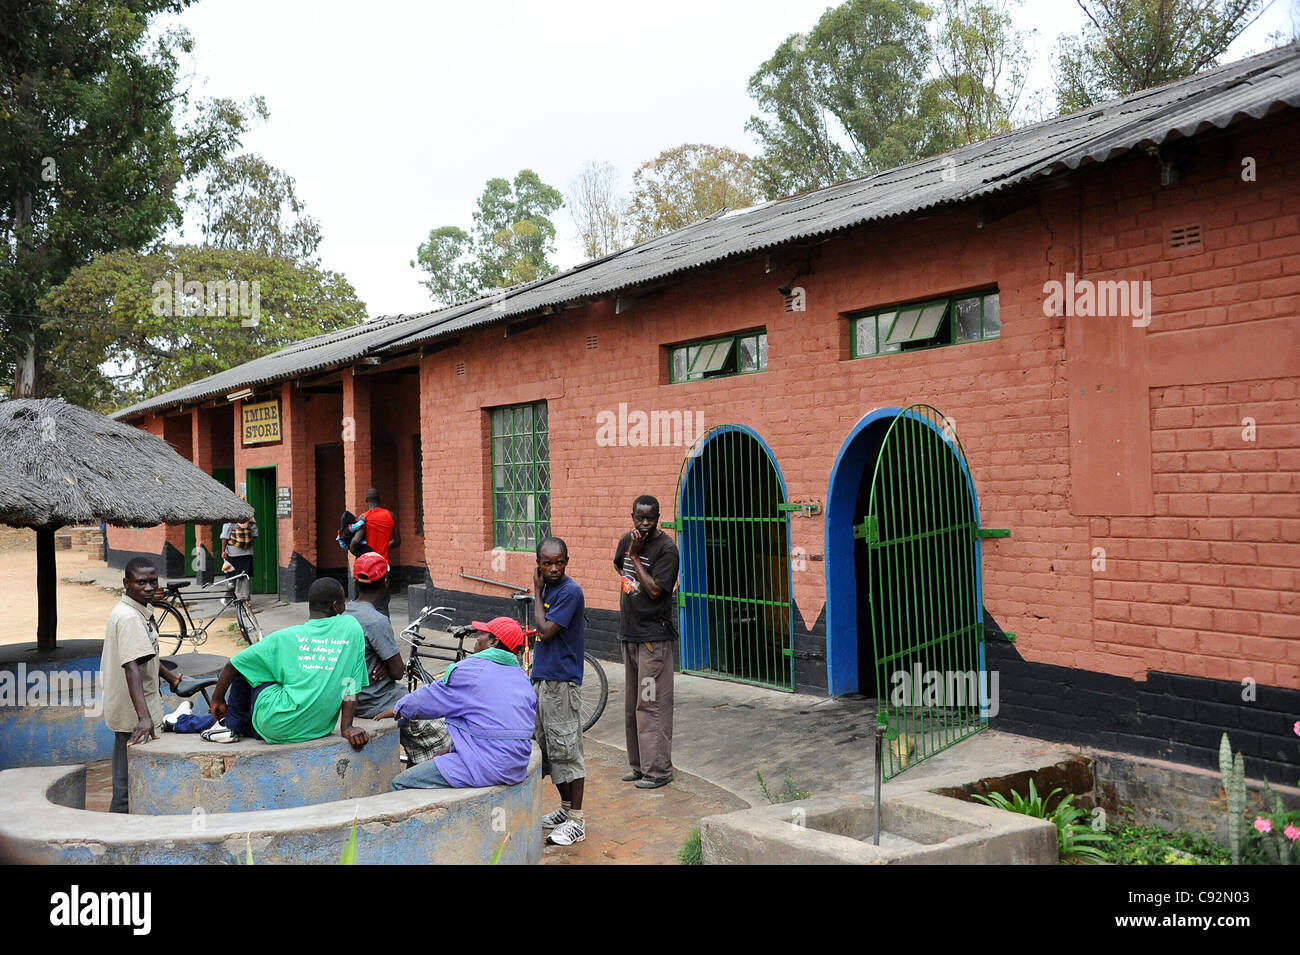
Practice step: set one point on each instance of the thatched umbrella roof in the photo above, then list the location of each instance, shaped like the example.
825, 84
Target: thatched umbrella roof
60, 464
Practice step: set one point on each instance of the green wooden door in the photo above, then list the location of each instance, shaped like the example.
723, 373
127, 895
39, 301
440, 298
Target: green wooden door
261, 495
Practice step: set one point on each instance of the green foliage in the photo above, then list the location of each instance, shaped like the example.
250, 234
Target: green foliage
246, 203
686, 184
983, 63
1131, 45
92, 146
349, 854
247, 858
849, 99
789, 794
510, 242
691, 852
1268, 842
1076, 841
120, 332
496, 856
1151, 845
1233, 770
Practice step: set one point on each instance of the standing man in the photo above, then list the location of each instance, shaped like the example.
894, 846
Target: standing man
647, 559
380, 531
133, 707
558, 606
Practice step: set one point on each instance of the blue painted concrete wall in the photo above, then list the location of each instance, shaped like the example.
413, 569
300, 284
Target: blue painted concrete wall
179, 772
52, 705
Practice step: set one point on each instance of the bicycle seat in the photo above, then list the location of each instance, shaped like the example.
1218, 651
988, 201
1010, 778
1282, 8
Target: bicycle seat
523, 598
462, 631
189, 685
177, 584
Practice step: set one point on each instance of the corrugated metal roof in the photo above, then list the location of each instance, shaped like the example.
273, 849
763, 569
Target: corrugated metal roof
1215, 99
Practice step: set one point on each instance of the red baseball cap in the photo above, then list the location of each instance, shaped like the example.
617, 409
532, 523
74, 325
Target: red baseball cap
505, 629
370, 568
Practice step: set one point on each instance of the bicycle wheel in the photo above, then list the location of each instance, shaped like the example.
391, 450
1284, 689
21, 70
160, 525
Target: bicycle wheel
249, 625
594, 692
171, 626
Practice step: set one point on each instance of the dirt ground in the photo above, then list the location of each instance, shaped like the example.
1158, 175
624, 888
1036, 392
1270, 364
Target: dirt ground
83, 608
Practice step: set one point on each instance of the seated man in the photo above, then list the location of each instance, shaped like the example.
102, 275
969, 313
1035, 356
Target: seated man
293, 685
491, 713
422, 739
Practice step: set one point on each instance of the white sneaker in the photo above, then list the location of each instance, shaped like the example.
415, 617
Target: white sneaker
567, 833
185, 709
553, 819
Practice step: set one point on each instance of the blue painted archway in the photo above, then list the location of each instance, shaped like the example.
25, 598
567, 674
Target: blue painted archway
857, 454
702, 514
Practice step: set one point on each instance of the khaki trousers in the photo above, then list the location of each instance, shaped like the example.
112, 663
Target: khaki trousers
648, 706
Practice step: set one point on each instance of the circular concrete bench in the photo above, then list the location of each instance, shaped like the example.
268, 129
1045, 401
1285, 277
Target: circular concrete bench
179, 772
42, 820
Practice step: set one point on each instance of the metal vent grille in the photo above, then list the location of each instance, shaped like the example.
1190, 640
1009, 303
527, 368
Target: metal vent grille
460, 369
593, 342
1184, 238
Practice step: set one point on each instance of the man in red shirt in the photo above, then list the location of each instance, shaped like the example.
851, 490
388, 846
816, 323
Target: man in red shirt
380, 532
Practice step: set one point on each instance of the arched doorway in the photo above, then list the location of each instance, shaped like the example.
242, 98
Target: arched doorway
734, 540
903, 569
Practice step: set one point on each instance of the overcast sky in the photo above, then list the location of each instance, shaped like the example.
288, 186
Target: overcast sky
392, 115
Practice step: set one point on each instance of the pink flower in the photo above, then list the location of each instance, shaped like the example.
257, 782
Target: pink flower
1292, 832
1263, 825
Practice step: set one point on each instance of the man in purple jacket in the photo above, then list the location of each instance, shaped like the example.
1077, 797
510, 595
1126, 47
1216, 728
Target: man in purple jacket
490, 708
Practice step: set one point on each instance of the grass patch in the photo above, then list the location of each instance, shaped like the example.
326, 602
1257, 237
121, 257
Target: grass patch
789, 794
691, 852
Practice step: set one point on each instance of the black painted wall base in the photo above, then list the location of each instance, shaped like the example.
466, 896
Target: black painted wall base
1169, 716
295, 579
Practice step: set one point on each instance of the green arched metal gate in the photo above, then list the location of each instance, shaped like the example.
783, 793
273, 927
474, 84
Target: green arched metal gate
733, 537
922, 537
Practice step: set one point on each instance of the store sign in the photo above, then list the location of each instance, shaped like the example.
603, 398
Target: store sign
261, 422
283, 505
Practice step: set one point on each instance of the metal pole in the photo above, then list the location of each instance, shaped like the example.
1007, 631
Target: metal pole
496, 583
880, 738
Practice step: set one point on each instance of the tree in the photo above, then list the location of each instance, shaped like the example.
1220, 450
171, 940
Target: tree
598, 211
687, 184
134, 325
849, 99
246, 203
1131, 45
92, 148
511, 239
982, 62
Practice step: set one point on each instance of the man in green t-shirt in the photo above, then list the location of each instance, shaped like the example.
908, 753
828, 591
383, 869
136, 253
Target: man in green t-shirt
294, 684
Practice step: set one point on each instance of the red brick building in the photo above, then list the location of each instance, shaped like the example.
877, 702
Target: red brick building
1102, 309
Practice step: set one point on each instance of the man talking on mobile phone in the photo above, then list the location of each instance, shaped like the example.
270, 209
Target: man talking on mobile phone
647, 559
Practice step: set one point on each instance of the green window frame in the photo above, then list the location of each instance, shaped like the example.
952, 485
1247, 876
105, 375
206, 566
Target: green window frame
521, 475
931, 323
744, 353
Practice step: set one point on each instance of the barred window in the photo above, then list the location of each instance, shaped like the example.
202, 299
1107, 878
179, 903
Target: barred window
521, 476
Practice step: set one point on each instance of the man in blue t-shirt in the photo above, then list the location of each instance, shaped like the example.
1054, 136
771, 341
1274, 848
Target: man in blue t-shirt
558, 607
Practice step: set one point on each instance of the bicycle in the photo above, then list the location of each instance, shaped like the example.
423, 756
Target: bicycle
593, 693
175, 621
